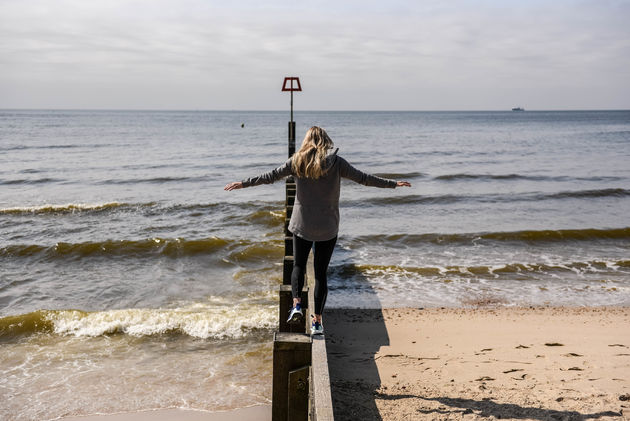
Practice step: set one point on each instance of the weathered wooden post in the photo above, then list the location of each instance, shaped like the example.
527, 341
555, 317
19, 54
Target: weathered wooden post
291, 362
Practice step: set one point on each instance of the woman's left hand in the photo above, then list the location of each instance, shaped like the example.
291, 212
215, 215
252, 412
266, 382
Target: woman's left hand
403, 184
233, 186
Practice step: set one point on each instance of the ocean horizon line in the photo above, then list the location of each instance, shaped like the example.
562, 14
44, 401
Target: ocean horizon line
507, 110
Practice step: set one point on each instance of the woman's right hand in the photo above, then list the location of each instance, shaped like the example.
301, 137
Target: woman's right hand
233, 186
403, 184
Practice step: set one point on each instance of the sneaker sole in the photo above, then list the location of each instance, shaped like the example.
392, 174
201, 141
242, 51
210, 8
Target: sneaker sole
296, 318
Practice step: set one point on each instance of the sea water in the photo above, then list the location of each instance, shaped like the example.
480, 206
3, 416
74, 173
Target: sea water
130, 280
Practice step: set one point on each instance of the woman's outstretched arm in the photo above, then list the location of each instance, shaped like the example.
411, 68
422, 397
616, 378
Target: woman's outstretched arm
266, 178
348, 171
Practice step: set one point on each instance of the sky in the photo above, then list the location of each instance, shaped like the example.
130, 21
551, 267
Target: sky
349, 55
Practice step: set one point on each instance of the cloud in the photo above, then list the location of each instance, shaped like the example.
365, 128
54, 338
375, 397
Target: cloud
353, 55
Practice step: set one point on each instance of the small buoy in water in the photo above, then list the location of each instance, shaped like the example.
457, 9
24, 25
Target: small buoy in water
242, 124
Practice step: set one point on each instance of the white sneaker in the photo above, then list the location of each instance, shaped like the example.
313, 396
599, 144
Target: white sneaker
317, 328
295, 315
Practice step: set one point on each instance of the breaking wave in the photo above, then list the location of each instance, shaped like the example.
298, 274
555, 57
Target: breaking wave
70, 208
202, 320
239, 250
494, 271
415, 199
528, 236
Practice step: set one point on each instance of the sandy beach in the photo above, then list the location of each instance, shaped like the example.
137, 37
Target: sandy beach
473, 364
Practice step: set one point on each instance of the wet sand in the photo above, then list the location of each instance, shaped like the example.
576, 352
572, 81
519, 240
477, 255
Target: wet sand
254, 413
474, 364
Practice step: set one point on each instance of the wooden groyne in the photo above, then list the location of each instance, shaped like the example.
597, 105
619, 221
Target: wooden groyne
301, 384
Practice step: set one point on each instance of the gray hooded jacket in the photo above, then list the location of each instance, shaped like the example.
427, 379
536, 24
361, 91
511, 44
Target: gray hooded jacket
316, 209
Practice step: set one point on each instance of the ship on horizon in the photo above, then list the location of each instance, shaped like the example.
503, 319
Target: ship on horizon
518, 109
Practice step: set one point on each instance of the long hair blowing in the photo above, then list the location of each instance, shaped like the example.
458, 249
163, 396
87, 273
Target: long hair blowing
310, 160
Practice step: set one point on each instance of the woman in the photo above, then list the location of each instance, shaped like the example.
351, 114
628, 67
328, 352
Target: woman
315, 218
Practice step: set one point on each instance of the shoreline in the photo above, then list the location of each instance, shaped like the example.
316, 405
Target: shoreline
252, 413
542, 363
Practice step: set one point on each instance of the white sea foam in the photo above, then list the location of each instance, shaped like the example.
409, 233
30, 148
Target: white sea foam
196, 320
507, 279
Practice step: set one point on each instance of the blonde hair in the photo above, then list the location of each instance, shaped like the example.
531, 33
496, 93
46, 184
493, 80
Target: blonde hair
310, 160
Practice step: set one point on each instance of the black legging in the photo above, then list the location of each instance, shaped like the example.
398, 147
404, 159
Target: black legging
321, 257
